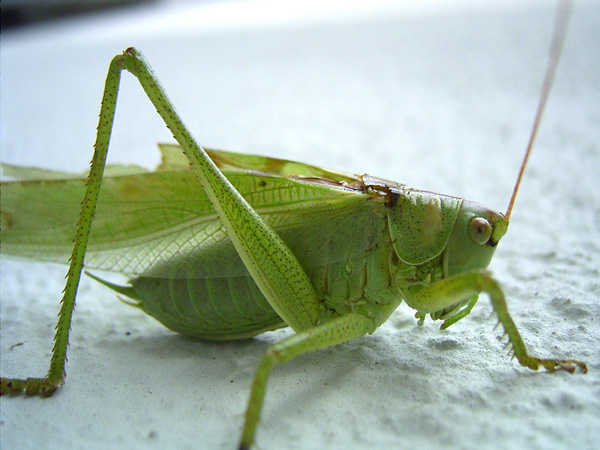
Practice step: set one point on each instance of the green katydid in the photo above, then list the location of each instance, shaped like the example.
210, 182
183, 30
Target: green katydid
403, 244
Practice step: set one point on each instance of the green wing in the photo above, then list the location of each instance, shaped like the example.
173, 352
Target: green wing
162, 224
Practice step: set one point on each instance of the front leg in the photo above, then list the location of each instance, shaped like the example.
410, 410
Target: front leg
449, 291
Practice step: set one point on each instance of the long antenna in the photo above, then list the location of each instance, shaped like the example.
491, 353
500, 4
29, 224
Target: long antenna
560, 29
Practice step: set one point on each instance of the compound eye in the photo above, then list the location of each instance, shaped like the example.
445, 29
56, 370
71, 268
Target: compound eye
480, 230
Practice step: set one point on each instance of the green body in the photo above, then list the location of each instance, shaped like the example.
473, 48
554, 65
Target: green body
364, 243
224, 246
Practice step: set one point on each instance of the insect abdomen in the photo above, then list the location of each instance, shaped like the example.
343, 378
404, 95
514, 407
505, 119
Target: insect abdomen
211, 308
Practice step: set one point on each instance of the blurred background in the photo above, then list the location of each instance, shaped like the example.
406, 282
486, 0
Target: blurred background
20, 13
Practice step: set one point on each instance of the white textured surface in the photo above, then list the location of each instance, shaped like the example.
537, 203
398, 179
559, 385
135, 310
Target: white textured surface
439, 99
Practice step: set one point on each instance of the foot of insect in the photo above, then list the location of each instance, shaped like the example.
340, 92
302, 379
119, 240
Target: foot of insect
31, 386
552, 365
